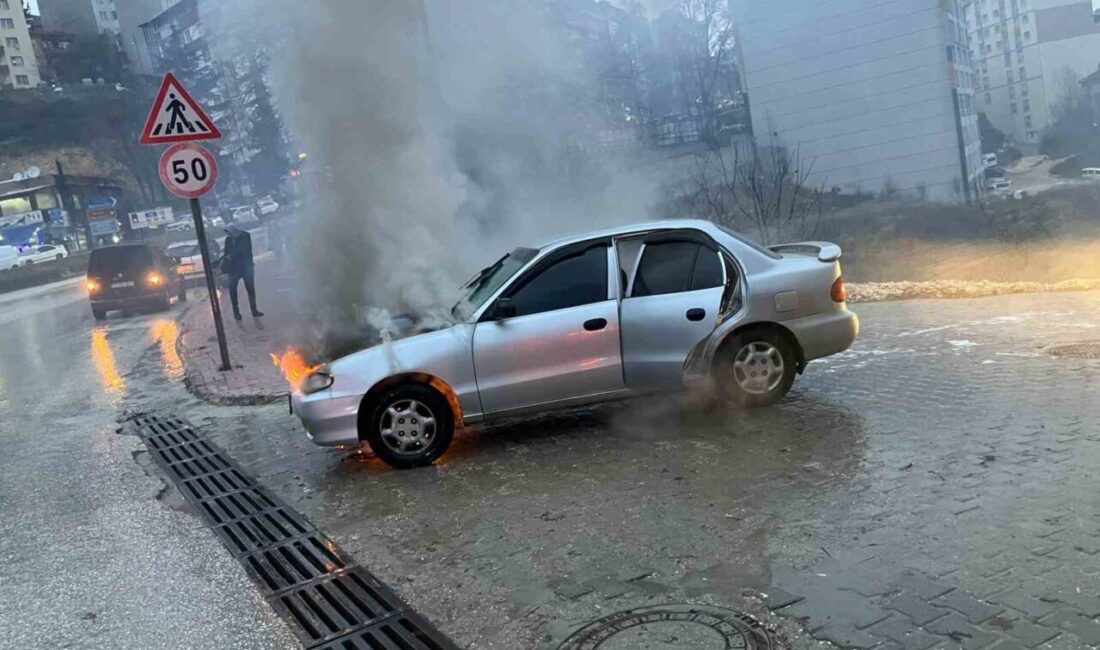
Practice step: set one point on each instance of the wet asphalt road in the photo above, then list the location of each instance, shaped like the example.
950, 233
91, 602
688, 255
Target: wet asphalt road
89, 557
933, 487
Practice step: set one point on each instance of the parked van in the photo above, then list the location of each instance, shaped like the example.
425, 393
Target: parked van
1090, 172
9, 257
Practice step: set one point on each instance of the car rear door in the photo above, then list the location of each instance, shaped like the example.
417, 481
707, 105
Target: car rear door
562, 345
672, 303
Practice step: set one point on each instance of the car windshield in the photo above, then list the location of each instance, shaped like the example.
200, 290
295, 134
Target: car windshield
489, 279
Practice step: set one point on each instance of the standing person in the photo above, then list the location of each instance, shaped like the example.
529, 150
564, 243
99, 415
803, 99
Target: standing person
238, 263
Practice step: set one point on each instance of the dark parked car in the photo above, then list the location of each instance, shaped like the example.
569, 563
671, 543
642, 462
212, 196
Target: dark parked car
131, 276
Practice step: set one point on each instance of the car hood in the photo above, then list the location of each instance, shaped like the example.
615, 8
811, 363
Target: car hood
444, 353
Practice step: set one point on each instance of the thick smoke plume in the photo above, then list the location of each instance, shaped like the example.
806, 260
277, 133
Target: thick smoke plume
437, 138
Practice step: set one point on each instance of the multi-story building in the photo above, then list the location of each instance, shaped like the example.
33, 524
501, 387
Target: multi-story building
79, 16
18, 65
132, 14
873, 96
1029, 55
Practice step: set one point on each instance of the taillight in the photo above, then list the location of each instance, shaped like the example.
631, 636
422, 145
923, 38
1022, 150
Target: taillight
838, 292
155, 279
92, 286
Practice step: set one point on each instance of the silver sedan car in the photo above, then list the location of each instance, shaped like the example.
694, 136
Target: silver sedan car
595, 317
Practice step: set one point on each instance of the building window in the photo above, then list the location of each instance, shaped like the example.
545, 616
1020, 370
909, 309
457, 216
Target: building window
1031, 135
985, 32
1008, 74
5, 5
1023, 90
1012, 107
1027, 107
12, 43
1023, 73
988, 98
7, 23
1096, 11
22, 80
1027, 121
1025, 19
1027, 36
1008, 59
16, 61
1011, 92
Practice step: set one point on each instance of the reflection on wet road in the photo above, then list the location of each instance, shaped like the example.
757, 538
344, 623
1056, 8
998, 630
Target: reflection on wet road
89, 558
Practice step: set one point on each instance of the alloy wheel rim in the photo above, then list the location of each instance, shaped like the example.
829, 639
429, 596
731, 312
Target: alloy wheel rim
758, 368
407, 427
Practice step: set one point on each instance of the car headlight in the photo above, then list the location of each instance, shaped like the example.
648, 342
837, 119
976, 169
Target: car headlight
318, 381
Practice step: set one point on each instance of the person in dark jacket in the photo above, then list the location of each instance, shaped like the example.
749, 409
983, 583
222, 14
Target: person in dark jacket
237, 262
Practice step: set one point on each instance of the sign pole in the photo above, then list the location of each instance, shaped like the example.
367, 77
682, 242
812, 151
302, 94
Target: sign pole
208, 271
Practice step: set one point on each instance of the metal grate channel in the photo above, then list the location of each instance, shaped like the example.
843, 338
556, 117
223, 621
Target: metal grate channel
327, 602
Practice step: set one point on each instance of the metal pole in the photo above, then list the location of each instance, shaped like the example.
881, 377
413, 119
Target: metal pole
208, 271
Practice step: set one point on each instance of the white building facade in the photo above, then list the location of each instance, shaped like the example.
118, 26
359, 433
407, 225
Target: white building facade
18, 66
1027, 52
877, 96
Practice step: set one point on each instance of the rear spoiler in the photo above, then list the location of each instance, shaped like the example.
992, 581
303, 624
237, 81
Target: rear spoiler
824, 251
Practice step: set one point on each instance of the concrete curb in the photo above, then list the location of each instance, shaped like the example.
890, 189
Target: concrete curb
197, 385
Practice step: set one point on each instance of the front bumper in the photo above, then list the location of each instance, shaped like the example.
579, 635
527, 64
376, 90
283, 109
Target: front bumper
129, 302
328, 422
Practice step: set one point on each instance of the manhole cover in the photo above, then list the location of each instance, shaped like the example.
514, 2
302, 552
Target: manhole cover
1078, 351
664, 627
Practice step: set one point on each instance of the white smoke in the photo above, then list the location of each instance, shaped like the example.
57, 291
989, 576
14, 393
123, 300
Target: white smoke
437, 134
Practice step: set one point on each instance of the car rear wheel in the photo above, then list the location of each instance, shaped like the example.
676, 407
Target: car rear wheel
98, 313
165, 302
411, 426
756, 368
60, 257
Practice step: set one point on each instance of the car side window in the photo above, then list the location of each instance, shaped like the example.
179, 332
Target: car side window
708, 270
45, 249
666, 267
579, 279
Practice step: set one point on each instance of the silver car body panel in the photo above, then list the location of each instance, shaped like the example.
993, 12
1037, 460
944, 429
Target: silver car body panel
500, 368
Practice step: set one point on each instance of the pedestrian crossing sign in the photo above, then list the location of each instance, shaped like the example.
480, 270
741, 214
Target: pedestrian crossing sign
177, 117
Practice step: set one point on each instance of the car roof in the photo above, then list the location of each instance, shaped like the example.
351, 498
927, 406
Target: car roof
638, 227
181, 244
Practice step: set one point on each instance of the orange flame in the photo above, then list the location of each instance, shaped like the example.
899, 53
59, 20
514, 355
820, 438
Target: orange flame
294, 366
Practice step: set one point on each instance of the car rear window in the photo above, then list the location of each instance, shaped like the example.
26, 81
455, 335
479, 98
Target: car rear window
184, 251
120, 259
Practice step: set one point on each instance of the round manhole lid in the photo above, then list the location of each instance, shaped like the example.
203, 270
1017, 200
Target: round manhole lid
663, 627
1078, 350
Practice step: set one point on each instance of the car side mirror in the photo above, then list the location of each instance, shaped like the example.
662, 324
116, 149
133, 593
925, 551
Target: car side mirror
504, 309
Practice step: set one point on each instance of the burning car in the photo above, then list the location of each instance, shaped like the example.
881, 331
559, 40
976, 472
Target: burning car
595, 317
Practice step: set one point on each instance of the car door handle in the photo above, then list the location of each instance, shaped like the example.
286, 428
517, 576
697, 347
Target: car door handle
595, 324
696, 314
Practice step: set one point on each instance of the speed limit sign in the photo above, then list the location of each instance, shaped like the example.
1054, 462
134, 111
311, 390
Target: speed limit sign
188, 170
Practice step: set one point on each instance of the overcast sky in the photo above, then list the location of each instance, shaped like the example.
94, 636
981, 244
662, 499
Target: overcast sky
34, 6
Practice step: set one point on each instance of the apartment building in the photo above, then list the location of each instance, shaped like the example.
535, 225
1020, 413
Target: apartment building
18, 65
1028, 54
79, 16
876, 96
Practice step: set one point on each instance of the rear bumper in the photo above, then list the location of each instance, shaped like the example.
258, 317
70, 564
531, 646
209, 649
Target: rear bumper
821, 335
328, 422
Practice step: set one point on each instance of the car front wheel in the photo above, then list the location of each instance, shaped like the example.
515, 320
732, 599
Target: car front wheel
756, 368
411, 426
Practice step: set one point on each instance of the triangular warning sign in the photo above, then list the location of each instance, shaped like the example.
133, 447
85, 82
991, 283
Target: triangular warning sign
176, 117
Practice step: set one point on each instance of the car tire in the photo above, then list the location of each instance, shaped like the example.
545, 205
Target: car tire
165, 303
59, 257
398, 431
756, 368
99, 314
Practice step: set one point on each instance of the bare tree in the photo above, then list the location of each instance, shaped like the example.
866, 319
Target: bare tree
763, 190
704, 52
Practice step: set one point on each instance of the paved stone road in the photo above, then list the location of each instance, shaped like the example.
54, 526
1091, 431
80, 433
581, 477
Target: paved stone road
936, 486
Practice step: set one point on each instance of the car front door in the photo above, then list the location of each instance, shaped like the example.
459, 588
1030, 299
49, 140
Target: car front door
552, 338
672, 303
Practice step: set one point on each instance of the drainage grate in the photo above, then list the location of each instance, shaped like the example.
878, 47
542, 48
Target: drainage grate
328, 603
1077, 351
